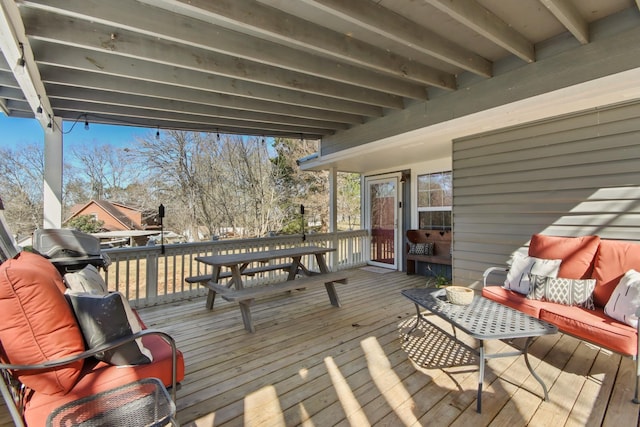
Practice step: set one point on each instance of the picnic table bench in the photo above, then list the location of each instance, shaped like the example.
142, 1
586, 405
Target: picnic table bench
204, 278
246, 296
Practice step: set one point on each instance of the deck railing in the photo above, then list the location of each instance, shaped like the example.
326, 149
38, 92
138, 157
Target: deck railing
147, 275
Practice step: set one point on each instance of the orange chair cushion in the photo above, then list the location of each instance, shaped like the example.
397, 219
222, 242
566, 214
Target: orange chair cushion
100, 376
37, 323
613, 260
577, 253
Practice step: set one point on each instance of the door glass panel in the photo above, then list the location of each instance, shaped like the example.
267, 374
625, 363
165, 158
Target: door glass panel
382, 211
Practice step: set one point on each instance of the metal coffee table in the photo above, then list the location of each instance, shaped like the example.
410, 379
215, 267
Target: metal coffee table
483, 319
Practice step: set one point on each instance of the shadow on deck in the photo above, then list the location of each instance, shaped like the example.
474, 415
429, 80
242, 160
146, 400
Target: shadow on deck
312, 364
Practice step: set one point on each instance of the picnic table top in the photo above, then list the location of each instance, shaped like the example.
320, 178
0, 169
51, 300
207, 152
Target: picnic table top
259, 256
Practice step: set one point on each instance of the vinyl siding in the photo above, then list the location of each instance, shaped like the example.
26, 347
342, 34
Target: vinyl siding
570, 176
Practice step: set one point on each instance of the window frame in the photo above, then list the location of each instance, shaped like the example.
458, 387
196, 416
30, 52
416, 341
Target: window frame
443, 208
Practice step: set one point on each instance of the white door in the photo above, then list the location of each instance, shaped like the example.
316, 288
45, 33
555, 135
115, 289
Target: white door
382, 219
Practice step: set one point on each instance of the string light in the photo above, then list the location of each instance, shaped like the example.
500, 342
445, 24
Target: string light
158, 133
86, 122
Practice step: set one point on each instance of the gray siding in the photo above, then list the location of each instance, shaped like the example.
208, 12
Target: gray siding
570, 176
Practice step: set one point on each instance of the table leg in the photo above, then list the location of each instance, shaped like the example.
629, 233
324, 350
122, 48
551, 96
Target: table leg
418, 316
236, 277
480, 377
245, 309
526, 360
295, 266
322, 264
333, 295
211, 296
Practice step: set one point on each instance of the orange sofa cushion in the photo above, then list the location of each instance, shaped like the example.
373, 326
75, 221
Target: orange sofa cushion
577, 253
37, 323
99, 376
593, 326
590, 325
613, 260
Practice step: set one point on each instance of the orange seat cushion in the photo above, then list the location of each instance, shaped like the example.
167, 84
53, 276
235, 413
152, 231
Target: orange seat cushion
577, 253
100, 376
613, 260
593, 326
590, 325
37, 323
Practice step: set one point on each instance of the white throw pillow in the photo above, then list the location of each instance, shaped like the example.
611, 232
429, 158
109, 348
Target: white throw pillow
625, 299
522, 266
86, 280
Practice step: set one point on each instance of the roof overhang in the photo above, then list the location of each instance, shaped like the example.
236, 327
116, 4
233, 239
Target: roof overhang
434, 142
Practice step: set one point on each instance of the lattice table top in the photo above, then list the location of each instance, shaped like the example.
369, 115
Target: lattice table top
483, 318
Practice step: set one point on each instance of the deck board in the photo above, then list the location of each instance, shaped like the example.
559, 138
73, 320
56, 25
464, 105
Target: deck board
312, 364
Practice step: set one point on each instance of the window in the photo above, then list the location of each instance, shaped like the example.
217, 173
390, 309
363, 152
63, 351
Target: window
435, 198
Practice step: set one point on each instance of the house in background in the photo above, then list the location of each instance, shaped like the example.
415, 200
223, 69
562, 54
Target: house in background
120, 222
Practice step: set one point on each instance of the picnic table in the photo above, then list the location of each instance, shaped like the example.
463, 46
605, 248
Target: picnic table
244, 264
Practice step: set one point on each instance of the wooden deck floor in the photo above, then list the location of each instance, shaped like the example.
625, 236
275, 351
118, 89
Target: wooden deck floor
311, 364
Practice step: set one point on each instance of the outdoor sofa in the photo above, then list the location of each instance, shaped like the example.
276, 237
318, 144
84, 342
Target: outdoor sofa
587, 286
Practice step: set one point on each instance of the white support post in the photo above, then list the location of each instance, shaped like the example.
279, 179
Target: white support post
333, 214
53, 175
333, 199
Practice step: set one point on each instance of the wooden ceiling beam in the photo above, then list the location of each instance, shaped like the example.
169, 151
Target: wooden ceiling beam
159, 23
135, 69
181, 107
253, 18
77, 33
568, 15
481, 20
121, 85
138, 116
379, 20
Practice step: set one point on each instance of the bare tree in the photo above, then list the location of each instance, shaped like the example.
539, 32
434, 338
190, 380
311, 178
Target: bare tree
22, 172
216, 182
205, 181
104, 170
257, 200
171, 164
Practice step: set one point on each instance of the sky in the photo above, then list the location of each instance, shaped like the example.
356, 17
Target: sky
16, 132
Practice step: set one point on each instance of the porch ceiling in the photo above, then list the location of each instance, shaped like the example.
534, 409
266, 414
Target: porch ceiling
307, 68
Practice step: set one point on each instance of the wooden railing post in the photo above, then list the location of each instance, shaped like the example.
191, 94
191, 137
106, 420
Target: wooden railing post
152, 277
335, 256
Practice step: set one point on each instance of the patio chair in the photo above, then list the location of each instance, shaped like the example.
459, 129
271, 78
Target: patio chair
57, 347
